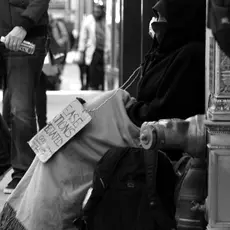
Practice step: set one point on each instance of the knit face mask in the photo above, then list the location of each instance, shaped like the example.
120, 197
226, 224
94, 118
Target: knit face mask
157, 26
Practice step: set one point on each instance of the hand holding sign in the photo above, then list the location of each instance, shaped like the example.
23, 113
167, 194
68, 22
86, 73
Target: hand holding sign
81, 100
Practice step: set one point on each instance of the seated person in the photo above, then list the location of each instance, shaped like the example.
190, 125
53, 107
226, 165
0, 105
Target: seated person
172, 85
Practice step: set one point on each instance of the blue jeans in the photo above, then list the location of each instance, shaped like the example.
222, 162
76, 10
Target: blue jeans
22, 73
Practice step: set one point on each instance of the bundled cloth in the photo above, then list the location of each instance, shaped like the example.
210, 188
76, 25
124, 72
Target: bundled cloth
50, 195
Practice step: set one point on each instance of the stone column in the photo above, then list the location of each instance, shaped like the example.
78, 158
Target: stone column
218, 128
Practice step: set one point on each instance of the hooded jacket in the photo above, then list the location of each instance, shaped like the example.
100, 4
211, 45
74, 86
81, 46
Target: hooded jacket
30, 14
173, 74
219, 23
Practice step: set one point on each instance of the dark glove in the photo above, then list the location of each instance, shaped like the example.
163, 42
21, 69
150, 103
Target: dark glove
82, 101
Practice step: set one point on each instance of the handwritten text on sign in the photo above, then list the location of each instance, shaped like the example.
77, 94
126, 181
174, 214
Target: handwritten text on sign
63, 126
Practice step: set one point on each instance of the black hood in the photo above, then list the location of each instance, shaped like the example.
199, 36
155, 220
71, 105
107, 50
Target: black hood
185, 22
5, 18
218, 22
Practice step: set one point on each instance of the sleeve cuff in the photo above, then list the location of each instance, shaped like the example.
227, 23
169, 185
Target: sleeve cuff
26, 23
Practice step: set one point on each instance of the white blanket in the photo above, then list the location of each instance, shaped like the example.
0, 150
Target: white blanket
50, 195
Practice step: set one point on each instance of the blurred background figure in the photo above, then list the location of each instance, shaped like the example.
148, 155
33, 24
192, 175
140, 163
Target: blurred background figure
59, 47
60, 40
94, 48
60, 44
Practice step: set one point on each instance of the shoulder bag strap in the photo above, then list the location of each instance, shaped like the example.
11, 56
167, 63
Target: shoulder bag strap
161, 217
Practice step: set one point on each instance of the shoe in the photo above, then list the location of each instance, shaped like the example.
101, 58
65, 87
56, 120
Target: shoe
5, 171
11, 186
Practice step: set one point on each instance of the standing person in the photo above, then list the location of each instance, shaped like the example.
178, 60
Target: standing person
60, 41
94, 45
22, 20
84, 75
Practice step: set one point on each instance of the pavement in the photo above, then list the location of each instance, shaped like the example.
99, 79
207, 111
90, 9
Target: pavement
56, 101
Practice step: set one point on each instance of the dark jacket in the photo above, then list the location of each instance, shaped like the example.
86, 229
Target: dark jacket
219, 23
173, 79
30, 14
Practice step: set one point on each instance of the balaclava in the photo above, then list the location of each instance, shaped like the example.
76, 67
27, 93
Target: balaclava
180, 22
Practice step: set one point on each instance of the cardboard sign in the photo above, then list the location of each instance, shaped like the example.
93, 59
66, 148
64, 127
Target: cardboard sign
60, 130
